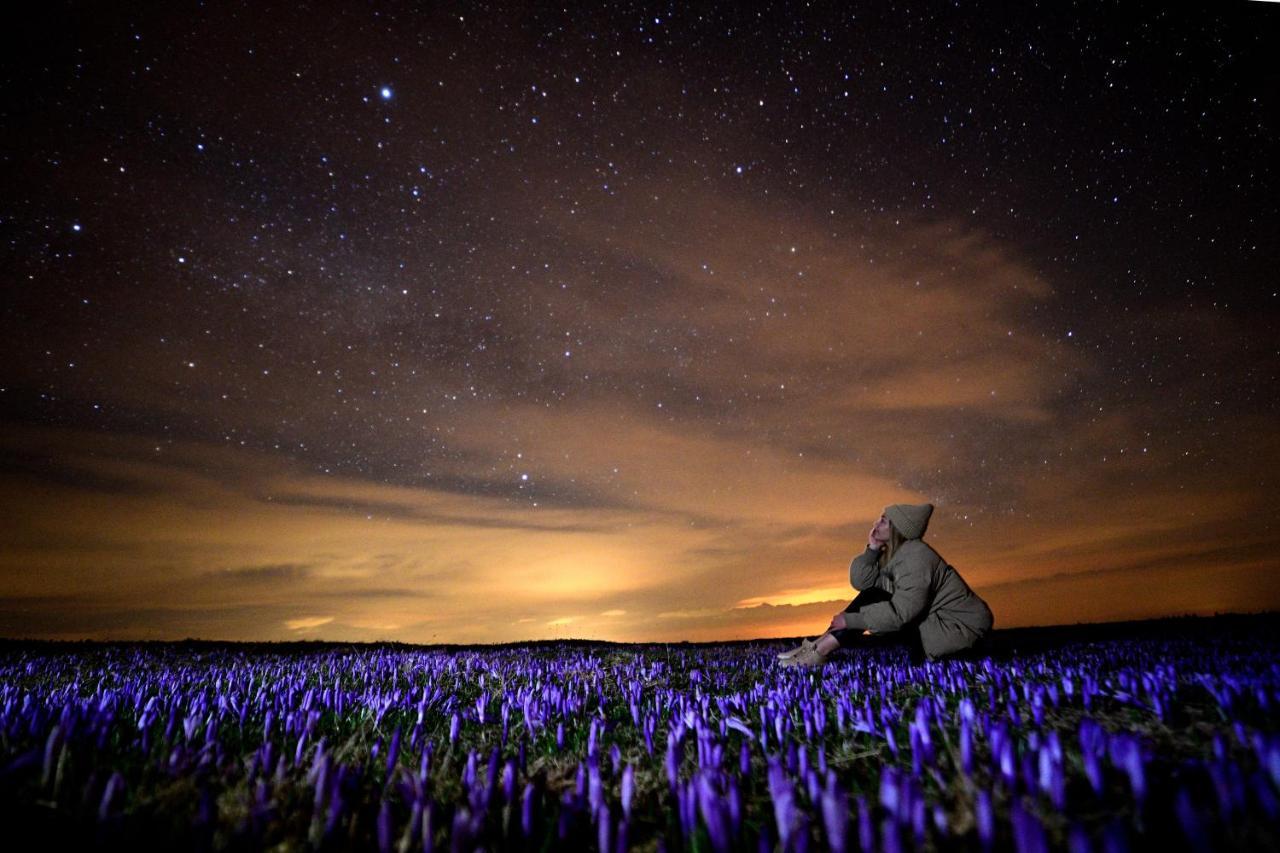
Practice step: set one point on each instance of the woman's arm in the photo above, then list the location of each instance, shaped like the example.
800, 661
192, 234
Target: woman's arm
864, 571
910, 599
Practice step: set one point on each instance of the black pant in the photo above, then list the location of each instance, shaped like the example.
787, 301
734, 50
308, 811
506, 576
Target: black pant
908, 635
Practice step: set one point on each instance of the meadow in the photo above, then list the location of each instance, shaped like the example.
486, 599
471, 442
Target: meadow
1094, 738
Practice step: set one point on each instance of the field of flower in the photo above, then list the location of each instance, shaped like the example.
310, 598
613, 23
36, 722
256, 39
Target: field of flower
1169, 735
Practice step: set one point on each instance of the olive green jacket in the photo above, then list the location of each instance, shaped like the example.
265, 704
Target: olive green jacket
927, 591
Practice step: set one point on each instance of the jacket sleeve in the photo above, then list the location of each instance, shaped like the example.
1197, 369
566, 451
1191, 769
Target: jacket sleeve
910, 599
863, 571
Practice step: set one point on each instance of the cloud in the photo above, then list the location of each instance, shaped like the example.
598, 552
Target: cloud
306, 623
278, 573
374, 626
792, 597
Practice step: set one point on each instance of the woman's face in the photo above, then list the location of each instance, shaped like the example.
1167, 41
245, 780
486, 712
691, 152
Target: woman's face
881, 530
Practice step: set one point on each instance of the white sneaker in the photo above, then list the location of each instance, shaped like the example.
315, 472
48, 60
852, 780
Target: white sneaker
809, 658
807, 644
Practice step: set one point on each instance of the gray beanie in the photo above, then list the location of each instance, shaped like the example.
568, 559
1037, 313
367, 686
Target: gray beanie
909, 519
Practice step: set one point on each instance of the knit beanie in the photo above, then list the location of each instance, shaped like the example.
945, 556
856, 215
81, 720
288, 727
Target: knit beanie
909, 519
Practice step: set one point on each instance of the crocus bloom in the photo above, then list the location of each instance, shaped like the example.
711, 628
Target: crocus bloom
712, 810
628, 790
985, 818
526, 810
835, 815
783, 797
1028, 834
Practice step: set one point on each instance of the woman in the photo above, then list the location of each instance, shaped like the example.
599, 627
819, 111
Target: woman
904, 587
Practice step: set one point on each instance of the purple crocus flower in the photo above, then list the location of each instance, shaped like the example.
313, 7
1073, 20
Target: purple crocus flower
890, 793
835, 815
812, 785
687, 804
620, 837
491, 776
1126, 753
1266, 796
672, 765
320, 778
469, 770
526, 810
712, 809
424, 766
628, 790
1093, 771
1078, 839
115, 786
384, 827
734, 802
1029, 766
604, 828
565, 818
1267, 749
1194, 829
1049, 778
595, 787
509, 781
429, 827
783, 797
1228, 784
890, 837
460, 834
985, 818
940, 825
1028, 835
1008, 771
738, 725
923, 721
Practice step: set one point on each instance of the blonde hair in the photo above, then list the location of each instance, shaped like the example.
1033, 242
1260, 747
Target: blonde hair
890, 548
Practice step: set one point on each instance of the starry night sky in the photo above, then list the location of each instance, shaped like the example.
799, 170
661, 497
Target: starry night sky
490, 322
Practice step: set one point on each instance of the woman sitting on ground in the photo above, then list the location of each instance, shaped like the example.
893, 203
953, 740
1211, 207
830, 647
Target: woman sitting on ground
906, 588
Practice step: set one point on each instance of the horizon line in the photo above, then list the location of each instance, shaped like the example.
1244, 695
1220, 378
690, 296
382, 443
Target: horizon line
316, 641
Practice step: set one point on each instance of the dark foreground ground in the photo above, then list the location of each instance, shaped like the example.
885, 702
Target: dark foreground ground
1100, 737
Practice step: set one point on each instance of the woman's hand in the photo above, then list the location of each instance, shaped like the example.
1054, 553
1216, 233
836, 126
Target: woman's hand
837, 622
872, 542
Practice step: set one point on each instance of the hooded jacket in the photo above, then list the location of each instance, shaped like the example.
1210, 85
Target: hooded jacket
926, 591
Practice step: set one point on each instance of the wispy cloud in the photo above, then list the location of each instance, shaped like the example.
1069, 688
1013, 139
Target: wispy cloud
306, 623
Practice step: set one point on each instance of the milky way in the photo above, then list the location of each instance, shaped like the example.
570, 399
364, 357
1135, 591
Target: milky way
489, 323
